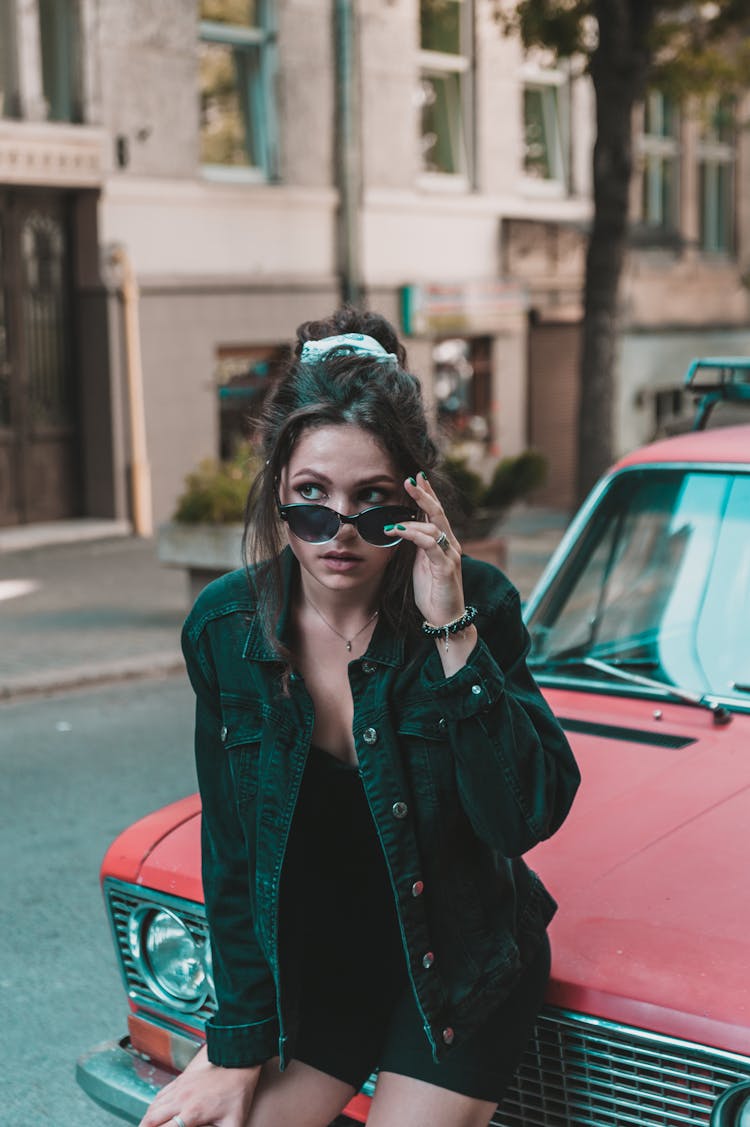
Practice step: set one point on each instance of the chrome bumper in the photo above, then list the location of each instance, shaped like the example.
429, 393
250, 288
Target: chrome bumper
119, 1080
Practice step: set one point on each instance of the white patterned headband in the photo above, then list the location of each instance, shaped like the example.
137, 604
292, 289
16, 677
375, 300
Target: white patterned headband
357, 343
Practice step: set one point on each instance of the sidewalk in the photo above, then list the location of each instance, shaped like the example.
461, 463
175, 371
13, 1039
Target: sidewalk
103, 609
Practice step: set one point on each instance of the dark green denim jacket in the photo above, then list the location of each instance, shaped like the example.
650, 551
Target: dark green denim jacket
462, 774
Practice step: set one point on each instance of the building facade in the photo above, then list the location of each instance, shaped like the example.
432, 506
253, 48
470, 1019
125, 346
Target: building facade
248, 164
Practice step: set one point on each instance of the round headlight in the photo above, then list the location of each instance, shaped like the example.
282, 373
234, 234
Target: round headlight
732, 1109
168, 956
743, 1113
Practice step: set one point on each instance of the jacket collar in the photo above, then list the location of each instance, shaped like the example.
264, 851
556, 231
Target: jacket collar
385, 648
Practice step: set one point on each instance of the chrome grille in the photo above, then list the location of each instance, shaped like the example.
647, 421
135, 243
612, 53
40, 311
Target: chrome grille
582, 1072
578, 1071
122, 899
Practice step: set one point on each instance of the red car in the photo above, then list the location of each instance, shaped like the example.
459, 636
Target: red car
640, 632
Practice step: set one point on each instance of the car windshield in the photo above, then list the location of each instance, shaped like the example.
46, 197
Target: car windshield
657, 584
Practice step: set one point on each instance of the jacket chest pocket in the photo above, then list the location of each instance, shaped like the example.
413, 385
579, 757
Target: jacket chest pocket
429, 761
242, 734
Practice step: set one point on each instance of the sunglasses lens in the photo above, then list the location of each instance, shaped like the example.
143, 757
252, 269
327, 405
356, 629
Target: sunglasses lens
371, 524
312, 523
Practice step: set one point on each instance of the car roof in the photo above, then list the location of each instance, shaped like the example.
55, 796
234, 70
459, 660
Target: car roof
727, 445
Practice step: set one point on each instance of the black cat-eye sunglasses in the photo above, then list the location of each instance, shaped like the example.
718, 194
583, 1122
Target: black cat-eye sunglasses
317, 524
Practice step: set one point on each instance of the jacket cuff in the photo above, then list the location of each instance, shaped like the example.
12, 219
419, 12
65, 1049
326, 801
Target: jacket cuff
242, 1046
474, 688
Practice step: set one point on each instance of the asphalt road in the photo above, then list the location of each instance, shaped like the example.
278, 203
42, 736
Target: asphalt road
76, 769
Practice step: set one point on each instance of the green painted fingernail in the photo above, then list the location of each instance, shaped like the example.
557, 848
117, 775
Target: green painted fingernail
412, 481
423, 474
388, 527
401, 527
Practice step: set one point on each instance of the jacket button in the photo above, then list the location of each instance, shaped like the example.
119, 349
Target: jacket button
427, 960
223, 734
442, 724
399, 810
417, 888
368, 667
476, 690
370, 736
448, 1035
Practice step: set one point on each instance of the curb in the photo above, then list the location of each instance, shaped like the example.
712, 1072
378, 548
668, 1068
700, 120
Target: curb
29, 537
82, 676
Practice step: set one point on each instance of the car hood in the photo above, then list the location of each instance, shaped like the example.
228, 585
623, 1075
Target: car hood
650, 870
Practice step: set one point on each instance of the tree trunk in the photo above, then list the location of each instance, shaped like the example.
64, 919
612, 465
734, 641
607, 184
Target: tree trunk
618, 70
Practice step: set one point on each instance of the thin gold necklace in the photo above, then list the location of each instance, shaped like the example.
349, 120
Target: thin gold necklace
347, 641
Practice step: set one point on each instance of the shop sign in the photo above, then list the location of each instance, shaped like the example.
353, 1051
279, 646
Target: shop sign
461, 307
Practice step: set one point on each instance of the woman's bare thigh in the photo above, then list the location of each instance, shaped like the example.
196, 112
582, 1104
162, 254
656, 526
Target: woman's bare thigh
300, 1096
415, 1103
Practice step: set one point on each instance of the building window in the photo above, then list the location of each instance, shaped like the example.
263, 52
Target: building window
61, 64
236, 107
9, 106
715, 152
445, 96
670, 415
660, 150
546, 128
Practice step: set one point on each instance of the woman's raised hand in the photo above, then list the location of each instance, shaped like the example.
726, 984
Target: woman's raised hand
438, 583
204, 1094
438, 587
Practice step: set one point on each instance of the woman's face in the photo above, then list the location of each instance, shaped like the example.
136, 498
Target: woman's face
343, 468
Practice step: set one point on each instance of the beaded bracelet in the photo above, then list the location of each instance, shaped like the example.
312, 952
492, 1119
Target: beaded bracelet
454, 627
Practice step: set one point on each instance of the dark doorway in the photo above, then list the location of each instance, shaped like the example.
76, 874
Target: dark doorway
554, 350
39, 463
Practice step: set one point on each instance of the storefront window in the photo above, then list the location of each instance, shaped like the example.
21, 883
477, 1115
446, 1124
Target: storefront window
462, 380
244, 375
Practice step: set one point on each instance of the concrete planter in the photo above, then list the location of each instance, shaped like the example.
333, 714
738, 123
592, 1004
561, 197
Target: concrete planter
205, 551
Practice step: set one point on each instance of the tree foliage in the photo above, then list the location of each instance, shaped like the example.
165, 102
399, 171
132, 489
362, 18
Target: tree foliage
692, 47
682, 47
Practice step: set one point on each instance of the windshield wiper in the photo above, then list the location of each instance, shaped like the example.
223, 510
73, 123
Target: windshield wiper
720, 714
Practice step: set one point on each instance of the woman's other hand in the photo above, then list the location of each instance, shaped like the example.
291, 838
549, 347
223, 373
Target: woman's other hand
205, 1094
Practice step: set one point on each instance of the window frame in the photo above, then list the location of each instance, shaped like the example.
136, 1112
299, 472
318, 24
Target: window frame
656, 151
10, 95
714, 154
259, 100
441, 64
536, 77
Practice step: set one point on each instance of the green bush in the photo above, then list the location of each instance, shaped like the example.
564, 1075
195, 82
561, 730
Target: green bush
468, 486
513, 478
216, 492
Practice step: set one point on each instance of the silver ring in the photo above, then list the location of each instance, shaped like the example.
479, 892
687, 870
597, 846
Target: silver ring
179, 1121
443, 541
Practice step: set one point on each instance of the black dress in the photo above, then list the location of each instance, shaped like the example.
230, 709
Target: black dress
357, 1009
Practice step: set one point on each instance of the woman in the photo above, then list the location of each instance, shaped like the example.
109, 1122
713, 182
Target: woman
373, 759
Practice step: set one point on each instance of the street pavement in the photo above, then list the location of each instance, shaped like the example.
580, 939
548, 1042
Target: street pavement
80, 606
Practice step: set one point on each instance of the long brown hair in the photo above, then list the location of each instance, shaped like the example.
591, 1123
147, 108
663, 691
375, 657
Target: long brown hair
379, 395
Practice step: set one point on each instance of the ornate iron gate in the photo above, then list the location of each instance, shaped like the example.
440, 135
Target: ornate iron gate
39, 464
